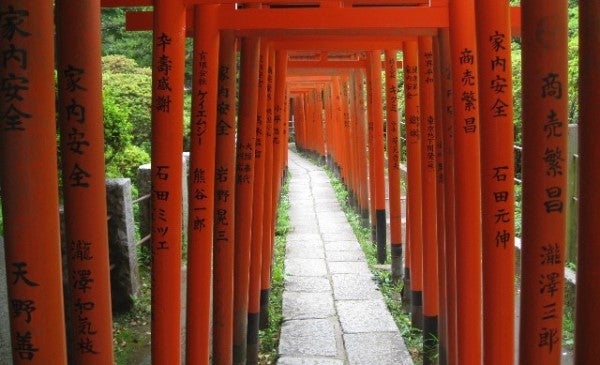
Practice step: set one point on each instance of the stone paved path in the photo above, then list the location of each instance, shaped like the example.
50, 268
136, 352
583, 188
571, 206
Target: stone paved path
333, 312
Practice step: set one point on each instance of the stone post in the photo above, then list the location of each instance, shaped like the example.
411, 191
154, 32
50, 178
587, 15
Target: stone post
121, 232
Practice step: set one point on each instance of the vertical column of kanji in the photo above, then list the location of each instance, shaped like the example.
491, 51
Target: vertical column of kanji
322, 120
258, 207
545, 108
588, 255
429, 197
167, 146
344, 132
414, 186
362, 126
280, 121
246, 149
270, 207
82, 142
309, 125
376, 105
300, 121
448, 264
286, 132
348, 129
468, 180
393, 150
358, 154
224, 227
438, 54
319, 123
497, 165
370, 151
202, 183
30, 182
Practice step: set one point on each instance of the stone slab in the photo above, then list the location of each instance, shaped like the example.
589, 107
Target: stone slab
309, 284
313, 337
308, 361
365, 316
354, 287
349, 255
349, 267
327, 206
304, 245
307, 305
305, 252
337, 228
342, 246
305, 267
333, 215
338, 236
303, 237
376, 348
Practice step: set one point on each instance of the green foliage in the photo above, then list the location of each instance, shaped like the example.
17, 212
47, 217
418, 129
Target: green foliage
127, 97
116, 40
133, 94
119, 64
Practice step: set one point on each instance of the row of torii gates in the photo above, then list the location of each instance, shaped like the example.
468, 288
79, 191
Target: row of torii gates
457, 89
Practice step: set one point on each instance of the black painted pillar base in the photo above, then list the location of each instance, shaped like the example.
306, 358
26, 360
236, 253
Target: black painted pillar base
264, 308
381, 235
430, 339
396, 251
417, 309
406, 290
252, 349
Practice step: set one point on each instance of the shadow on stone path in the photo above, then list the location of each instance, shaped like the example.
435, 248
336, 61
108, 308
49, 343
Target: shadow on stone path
332, 310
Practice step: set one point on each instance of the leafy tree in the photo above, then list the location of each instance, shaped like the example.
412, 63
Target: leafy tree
116, 40
127, 98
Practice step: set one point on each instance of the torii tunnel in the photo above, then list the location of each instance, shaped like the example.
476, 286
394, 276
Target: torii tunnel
333, 64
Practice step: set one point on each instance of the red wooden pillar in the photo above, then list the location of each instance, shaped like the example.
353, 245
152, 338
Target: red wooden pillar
244, 191
84, 186
202, 183
370, 153
270, 212
300, 122
440, 191
429, 198
415, 195
545, 130
321, 141
393, 150
361, 141
376, 106
258, 208
224, 228
448, 264
167, 147
280, 120
497, 138
588, 272
30, 183
468, 180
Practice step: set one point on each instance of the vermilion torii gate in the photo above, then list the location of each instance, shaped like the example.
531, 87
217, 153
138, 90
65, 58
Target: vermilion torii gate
458, 115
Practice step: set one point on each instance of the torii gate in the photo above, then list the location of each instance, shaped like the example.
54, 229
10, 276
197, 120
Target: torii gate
37, 322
